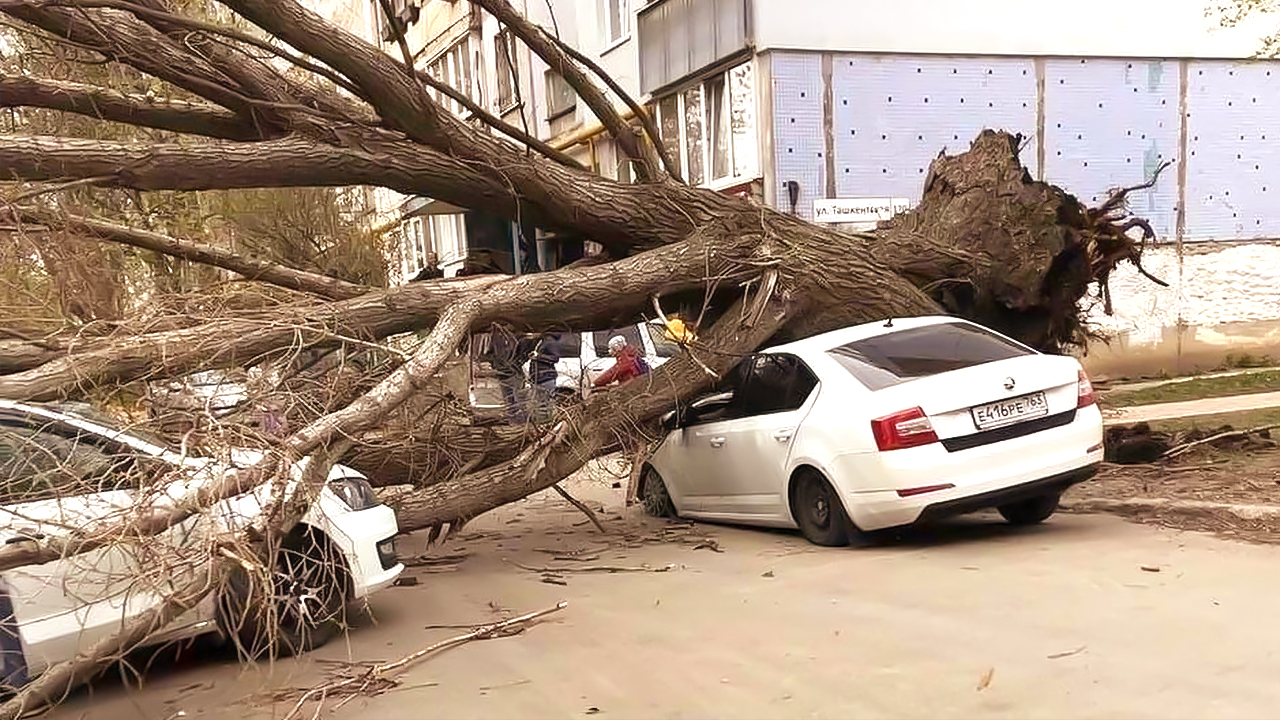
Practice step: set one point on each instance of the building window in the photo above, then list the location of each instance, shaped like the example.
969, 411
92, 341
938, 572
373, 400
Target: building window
710, 128
611, 162
404, 13
614, 20
504, 53
560, 97
443, 235
454, 68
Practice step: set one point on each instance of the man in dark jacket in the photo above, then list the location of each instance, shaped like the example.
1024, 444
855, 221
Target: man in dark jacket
507, 355
543, 374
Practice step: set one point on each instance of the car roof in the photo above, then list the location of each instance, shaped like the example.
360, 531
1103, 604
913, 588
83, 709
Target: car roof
836, 338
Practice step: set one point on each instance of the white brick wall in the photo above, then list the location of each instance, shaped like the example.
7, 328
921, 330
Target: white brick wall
1213, 285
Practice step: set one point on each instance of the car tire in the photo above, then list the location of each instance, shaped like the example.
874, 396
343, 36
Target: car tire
818, 511
303, 610
654, 496
1031, 511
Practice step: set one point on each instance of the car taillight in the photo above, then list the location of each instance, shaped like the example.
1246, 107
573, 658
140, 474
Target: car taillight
905, 429
1085, 396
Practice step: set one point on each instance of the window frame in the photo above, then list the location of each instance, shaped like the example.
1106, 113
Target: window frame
455, 66
707, 156
798, 370
615, 36
506, 71
549, 78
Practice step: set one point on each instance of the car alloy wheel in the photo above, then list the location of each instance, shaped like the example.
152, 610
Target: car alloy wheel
819, 512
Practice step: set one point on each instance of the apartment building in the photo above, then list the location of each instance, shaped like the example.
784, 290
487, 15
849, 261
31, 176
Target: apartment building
833, 109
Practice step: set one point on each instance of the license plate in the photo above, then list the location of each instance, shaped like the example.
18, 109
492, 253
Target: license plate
1008, 412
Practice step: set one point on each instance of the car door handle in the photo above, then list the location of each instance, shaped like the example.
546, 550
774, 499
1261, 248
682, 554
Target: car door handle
784, 435
716, 442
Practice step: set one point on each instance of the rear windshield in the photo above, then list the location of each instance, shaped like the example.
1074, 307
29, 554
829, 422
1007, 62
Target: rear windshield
886, 360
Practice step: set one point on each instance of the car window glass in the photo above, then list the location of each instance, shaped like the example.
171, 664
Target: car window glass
662, 342
570, 344
776, 383
896, 357
600, 339
37, 464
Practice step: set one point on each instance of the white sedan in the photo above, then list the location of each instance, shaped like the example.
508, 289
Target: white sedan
66, 466
881, 426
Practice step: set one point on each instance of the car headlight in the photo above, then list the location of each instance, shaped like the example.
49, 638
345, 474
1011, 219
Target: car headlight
357, 493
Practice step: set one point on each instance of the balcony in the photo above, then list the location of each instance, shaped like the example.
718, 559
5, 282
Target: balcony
678, 38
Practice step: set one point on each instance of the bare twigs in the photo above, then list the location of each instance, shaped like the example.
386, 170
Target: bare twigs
1185, 447
591, 514
251, 268
57, 187
594, 568
53, 685
383, 675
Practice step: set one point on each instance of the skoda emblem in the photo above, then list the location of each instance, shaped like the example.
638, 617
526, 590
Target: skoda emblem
1009, 383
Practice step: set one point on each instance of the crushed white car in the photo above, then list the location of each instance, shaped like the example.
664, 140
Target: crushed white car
881, 426
65, 466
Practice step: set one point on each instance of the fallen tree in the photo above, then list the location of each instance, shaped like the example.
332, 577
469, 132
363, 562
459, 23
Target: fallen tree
985, 241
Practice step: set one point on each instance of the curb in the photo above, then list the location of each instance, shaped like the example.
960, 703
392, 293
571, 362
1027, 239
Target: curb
1197, 508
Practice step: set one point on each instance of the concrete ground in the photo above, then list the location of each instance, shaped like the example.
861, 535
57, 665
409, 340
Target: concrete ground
1084, 617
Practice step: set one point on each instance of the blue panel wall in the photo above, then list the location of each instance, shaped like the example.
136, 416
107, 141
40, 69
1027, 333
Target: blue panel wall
1233, 143
798, 137
1110, 123
893, 114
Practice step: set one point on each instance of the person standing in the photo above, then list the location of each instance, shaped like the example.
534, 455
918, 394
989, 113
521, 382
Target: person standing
507, 356
543, 374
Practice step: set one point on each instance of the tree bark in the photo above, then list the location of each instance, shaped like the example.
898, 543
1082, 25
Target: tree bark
599, 296
106, 104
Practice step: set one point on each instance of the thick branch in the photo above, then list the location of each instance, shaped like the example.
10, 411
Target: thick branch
618, 215
608, 415
541, 183
143, 111
389, 394
133, 43
251, 268
551, 53
597, 296
498, 123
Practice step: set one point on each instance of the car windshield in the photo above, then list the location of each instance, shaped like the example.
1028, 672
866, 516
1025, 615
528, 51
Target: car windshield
897, 357
662, 341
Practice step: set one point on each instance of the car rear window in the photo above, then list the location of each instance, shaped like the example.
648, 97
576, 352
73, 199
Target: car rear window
887, 360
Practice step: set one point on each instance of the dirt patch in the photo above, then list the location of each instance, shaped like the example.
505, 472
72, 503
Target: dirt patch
1233, 478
